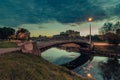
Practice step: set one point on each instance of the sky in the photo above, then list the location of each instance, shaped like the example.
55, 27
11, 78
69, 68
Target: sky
50, 17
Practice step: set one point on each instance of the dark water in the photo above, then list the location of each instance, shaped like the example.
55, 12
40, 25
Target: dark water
100, 68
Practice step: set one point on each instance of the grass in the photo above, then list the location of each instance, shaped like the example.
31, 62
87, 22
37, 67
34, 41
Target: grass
5, 44
19, 66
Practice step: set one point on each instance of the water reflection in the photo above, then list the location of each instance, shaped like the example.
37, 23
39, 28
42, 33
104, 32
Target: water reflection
100, 68
110, 70
59, 56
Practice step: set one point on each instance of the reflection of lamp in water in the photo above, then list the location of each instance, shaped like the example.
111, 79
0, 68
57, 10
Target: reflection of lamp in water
89, 75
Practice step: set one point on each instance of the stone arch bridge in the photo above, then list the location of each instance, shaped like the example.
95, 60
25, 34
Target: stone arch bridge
37, 48
84, 45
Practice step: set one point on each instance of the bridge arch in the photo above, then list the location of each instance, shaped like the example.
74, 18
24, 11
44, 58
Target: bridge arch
82, 59
83, 45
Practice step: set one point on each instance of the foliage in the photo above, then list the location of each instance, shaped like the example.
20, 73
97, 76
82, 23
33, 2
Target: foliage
18, 66
5, 32
94, 37
22, 34
111, 32
111, 38
107, 27
110, 27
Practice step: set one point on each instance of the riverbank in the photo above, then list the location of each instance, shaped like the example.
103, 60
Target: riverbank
19, 66
100, 48
105, 48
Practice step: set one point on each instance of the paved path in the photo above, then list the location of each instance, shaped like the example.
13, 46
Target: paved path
102, 44
6, 50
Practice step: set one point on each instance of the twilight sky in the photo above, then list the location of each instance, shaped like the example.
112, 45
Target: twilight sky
49, 17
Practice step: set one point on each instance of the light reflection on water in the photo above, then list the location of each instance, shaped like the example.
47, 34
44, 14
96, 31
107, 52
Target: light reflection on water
100, 68
92, 68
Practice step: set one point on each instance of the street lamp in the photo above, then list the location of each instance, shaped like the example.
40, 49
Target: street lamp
90, 37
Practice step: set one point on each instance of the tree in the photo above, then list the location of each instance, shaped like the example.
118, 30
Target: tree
22, 34
107, 27
111, 38
111, 32
5, 32
94, 37
118, 31
117, 26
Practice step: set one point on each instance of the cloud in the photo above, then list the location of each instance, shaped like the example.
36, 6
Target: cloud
17, 12
41, 27
116, 10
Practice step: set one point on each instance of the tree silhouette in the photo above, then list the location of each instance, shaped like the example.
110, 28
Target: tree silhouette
107, 27
5, 32
111, 32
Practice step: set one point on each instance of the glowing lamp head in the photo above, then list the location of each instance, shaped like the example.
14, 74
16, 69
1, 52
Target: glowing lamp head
90, 19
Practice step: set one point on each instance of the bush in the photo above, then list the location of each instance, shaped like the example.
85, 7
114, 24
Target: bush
111, 38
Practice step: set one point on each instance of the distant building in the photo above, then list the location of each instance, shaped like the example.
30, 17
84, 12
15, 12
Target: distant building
69, 34
72, 33
43, 38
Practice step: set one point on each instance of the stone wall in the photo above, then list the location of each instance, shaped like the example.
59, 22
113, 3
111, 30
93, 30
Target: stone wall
29, 47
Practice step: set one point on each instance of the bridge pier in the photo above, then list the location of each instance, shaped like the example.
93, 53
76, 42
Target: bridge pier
29, 48
35, 50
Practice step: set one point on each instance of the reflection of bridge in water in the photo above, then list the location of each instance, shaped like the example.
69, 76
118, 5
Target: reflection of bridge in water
85, 50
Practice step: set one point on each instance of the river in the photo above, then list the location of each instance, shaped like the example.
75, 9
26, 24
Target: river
100, 68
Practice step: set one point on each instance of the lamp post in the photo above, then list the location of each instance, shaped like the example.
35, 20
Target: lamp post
90, 37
